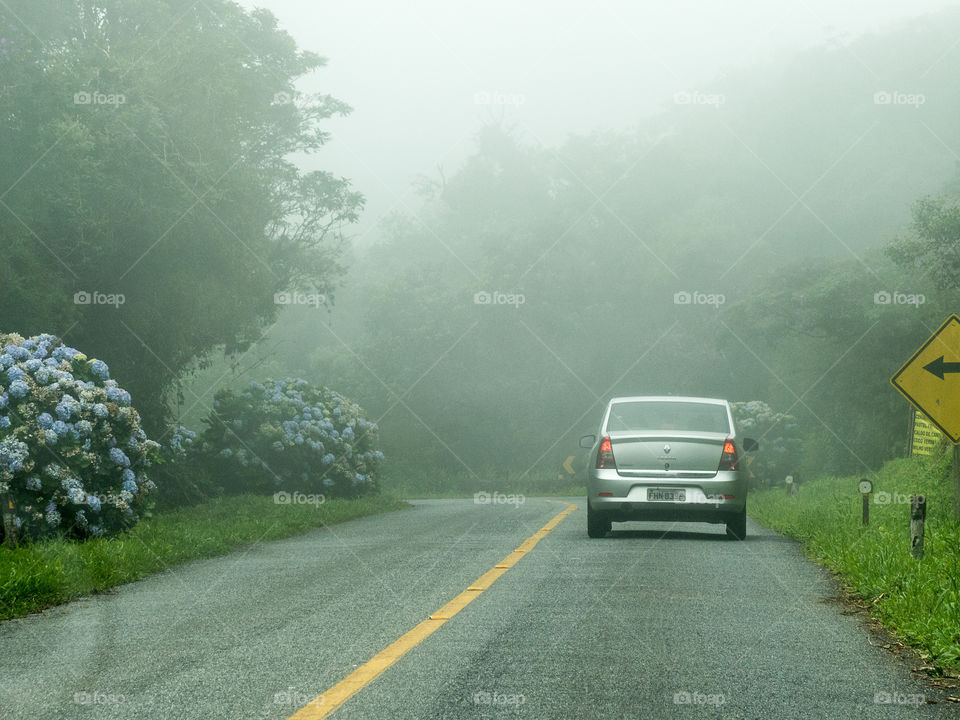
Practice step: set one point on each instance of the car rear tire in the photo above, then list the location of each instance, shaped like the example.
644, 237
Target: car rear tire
597, 525
737, 526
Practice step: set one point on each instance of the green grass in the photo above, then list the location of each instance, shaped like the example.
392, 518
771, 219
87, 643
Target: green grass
437, 483
38, 575
918, 600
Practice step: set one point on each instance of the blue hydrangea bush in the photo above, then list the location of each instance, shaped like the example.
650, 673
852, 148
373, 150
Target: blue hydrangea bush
73, 457
293, 436
779, 438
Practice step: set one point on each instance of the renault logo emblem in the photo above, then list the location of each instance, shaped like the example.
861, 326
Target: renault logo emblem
666, 448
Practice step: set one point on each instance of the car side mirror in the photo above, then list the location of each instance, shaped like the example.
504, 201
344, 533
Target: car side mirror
750, 445
587, 441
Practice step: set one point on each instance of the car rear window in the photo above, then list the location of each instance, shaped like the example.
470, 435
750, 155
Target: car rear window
667, 415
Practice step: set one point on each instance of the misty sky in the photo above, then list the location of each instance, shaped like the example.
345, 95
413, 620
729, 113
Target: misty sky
423, 76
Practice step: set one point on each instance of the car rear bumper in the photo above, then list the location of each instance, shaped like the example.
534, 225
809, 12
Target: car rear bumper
714, 499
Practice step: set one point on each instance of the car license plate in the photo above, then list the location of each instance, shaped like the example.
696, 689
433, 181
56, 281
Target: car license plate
662, 495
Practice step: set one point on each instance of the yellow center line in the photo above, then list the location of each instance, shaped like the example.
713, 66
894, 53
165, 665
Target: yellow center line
325, 704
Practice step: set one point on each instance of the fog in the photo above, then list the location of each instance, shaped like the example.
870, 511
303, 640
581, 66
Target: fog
480, 222
424, 76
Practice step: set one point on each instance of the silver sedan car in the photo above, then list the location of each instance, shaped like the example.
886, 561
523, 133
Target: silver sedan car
666, 458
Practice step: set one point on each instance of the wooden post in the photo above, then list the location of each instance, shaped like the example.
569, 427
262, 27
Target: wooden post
866, 509
956, 481
918, 514
9, 525
911, 430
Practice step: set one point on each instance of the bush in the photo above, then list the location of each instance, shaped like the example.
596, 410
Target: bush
289, 435
72, 452
183, 478
779, 439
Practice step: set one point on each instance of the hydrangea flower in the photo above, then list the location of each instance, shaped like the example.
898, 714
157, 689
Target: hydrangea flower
67, 407
100, 369
64, 353
13, 455
56, 400
119, 457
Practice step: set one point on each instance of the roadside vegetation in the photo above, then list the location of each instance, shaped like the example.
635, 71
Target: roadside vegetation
36, 575
917, 599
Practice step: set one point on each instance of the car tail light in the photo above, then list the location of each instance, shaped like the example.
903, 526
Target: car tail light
728, 460
605, 455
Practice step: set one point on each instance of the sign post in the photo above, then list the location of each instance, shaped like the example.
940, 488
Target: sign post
918, 516
866, 487
930, 380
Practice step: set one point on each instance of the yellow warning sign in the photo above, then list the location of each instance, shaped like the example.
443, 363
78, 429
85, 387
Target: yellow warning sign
931, 378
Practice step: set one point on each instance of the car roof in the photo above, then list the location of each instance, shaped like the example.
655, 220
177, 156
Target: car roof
669, 398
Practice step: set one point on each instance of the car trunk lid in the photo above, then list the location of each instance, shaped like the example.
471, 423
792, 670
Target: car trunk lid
667, 453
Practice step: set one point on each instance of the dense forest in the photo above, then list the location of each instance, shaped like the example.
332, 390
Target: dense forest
785, 233
806, 194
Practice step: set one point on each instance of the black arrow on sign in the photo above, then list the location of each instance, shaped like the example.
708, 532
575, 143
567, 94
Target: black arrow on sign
939, 368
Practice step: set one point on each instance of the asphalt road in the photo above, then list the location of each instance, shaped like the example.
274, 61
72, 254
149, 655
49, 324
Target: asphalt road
656, 621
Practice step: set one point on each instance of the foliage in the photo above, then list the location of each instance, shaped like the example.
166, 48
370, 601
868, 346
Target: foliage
778, 435
150, 204
184, 479
780, 200
934, 242
287, 435
73, 456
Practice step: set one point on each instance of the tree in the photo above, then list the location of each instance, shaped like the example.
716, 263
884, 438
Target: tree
933, 245
148, 208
